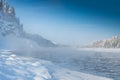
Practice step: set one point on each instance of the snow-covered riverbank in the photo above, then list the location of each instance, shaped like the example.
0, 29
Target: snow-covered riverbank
113, 50
13, 67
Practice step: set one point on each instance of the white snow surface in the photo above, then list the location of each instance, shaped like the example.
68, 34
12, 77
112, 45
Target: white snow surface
112, 50
14, 67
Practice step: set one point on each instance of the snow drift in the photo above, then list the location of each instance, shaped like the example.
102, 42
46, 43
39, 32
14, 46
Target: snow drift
13, 67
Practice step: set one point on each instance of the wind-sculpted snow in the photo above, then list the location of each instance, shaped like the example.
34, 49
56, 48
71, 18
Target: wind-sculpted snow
13, 67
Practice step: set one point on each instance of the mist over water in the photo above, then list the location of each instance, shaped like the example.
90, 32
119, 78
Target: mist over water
99, 63
93, 62
66, 23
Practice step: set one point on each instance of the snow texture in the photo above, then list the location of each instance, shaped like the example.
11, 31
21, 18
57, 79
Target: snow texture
114, 42
10, 25
14, 67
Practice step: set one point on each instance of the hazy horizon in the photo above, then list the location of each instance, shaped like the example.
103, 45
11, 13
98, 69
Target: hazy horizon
70, 22
57, 40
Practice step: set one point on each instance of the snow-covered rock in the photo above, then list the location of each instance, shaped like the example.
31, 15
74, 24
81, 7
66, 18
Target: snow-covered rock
10, 25
114, 42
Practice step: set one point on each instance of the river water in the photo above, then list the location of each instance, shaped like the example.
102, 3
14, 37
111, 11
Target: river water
105, 64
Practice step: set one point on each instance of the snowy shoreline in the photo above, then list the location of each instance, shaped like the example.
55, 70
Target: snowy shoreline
112, 50
24, 68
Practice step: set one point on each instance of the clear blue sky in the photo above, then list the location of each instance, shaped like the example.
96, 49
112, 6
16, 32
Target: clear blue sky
71, 22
